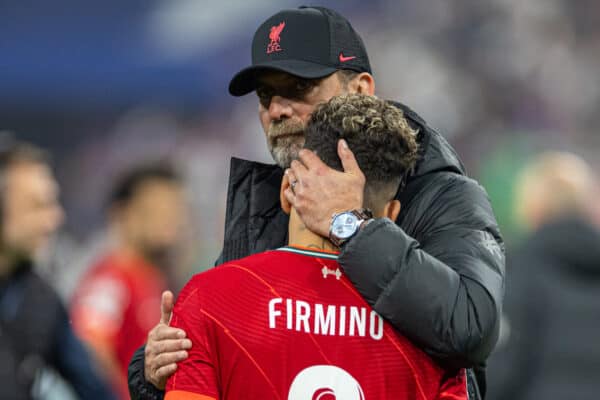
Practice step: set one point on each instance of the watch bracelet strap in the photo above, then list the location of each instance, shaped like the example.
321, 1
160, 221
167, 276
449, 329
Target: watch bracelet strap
363, 213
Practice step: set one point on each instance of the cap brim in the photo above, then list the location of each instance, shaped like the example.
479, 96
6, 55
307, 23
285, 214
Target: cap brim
246, 80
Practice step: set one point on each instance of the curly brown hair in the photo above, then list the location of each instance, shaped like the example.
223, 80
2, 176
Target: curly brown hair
378, 134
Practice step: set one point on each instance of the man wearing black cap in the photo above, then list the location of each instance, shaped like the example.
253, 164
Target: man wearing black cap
437, 275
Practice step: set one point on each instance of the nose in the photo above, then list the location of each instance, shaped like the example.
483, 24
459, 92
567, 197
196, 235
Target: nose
280, 108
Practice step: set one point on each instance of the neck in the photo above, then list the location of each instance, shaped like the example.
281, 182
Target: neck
299, 235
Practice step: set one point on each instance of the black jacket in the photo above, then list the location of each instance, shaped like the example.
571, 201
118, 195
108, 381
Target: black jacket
553, 311
35, 332
437, 276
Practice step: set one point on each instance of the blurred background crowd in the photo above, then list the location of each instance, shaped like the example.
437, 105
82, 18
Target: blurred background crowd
108, 86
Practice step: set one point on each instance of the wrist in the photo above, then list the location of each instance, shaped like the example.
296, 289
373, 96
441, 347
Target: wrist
347, 224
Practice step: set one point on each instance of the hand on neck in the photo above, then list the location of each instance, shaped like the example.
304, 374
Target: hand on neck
299, 235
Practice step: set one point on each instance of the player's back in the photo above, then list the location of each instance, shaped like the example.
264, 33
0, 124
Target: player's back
287, 324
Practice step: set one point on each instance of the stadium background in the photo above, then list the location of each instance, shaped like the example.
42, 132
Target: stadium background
106, 85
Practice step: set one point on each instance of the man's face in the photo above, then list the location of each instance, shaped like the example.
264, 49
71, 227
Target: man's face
32, 212
154, 219
285, 105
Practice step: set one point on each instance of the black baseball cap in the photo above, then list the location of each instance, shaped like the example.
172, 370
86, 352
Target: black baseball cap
309, 42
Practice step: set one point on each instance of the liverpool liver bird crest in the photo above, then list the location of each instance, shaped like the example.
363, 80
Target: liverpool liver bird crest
275, 36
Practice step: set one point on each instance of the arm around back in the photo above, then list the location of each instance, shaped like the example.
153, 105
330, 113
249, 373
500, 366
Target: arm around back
139, 387
154, 362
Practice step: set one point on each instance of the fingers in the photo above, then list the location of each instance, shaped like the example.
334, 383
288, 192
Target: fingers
349, 162
311, 161
161, 356
168, 346
298, 171
162, 332
166, 307
162, 374
165, 347
290, 196
165, 359
158, 375
291, 176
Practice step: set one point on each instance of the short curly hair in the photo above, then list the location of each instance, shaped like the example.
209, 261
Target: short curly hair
382, 140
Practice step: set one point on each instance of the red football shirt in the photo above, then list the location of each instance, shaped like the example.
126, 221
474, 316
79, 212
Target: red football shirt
287, 324
116, 304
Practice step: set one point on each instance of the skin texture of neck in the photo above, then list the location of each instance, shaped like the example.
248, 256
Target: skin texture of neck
299, 235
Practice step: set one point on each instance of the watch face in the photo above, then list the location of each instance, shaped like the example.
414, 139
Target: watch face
344, 225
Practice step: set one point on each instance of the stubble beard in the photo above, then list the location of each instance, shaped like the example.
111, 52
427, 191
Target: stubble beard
285, 139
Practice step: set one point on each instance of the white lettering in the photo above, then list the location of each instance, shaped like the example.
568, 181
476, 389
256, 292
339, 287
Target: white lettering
376, 326
288, 313
357, 320
342, 330
324, 324
274, 313
323, 319
302, 315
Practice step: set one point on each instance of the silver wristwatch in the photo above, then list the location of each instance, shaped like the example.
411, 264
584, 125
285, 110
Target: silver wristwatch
346, 224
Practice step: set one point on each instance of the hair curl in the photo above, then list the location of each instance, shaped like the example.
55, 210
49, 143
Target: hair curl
378, 134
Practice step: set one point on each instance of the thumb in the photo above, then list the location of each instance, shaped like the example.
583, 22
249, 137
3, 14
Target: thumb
166, 307
349, 162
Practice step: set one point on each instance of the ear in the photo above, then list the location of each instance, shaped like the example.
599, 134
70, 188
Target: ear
363, 83
285, 204
392, 209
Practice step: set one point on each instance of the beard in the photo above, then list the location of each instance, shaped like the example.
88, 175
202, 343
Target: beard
285, 139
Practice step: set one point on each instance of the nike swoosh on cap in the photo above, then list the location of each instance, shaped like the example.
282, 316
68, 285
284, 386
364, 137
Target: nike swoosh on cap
344, 59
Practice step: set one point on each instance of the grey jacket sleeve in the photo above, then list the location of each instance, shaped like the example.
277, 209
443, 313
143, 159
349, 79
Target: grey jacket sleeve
445, 292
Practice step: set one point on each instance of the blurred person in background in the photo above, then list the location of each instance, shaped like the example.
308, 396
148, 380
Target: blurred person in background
34, 326
118, 300
549, 344
436, 274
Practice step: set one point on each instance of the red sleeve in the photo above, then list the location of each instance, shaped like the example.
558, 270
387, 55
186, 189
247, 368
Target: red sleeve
195, 377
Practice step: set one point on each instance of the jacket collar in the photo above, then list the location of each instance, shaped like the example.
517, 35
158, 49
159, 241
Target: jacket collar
436, 154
